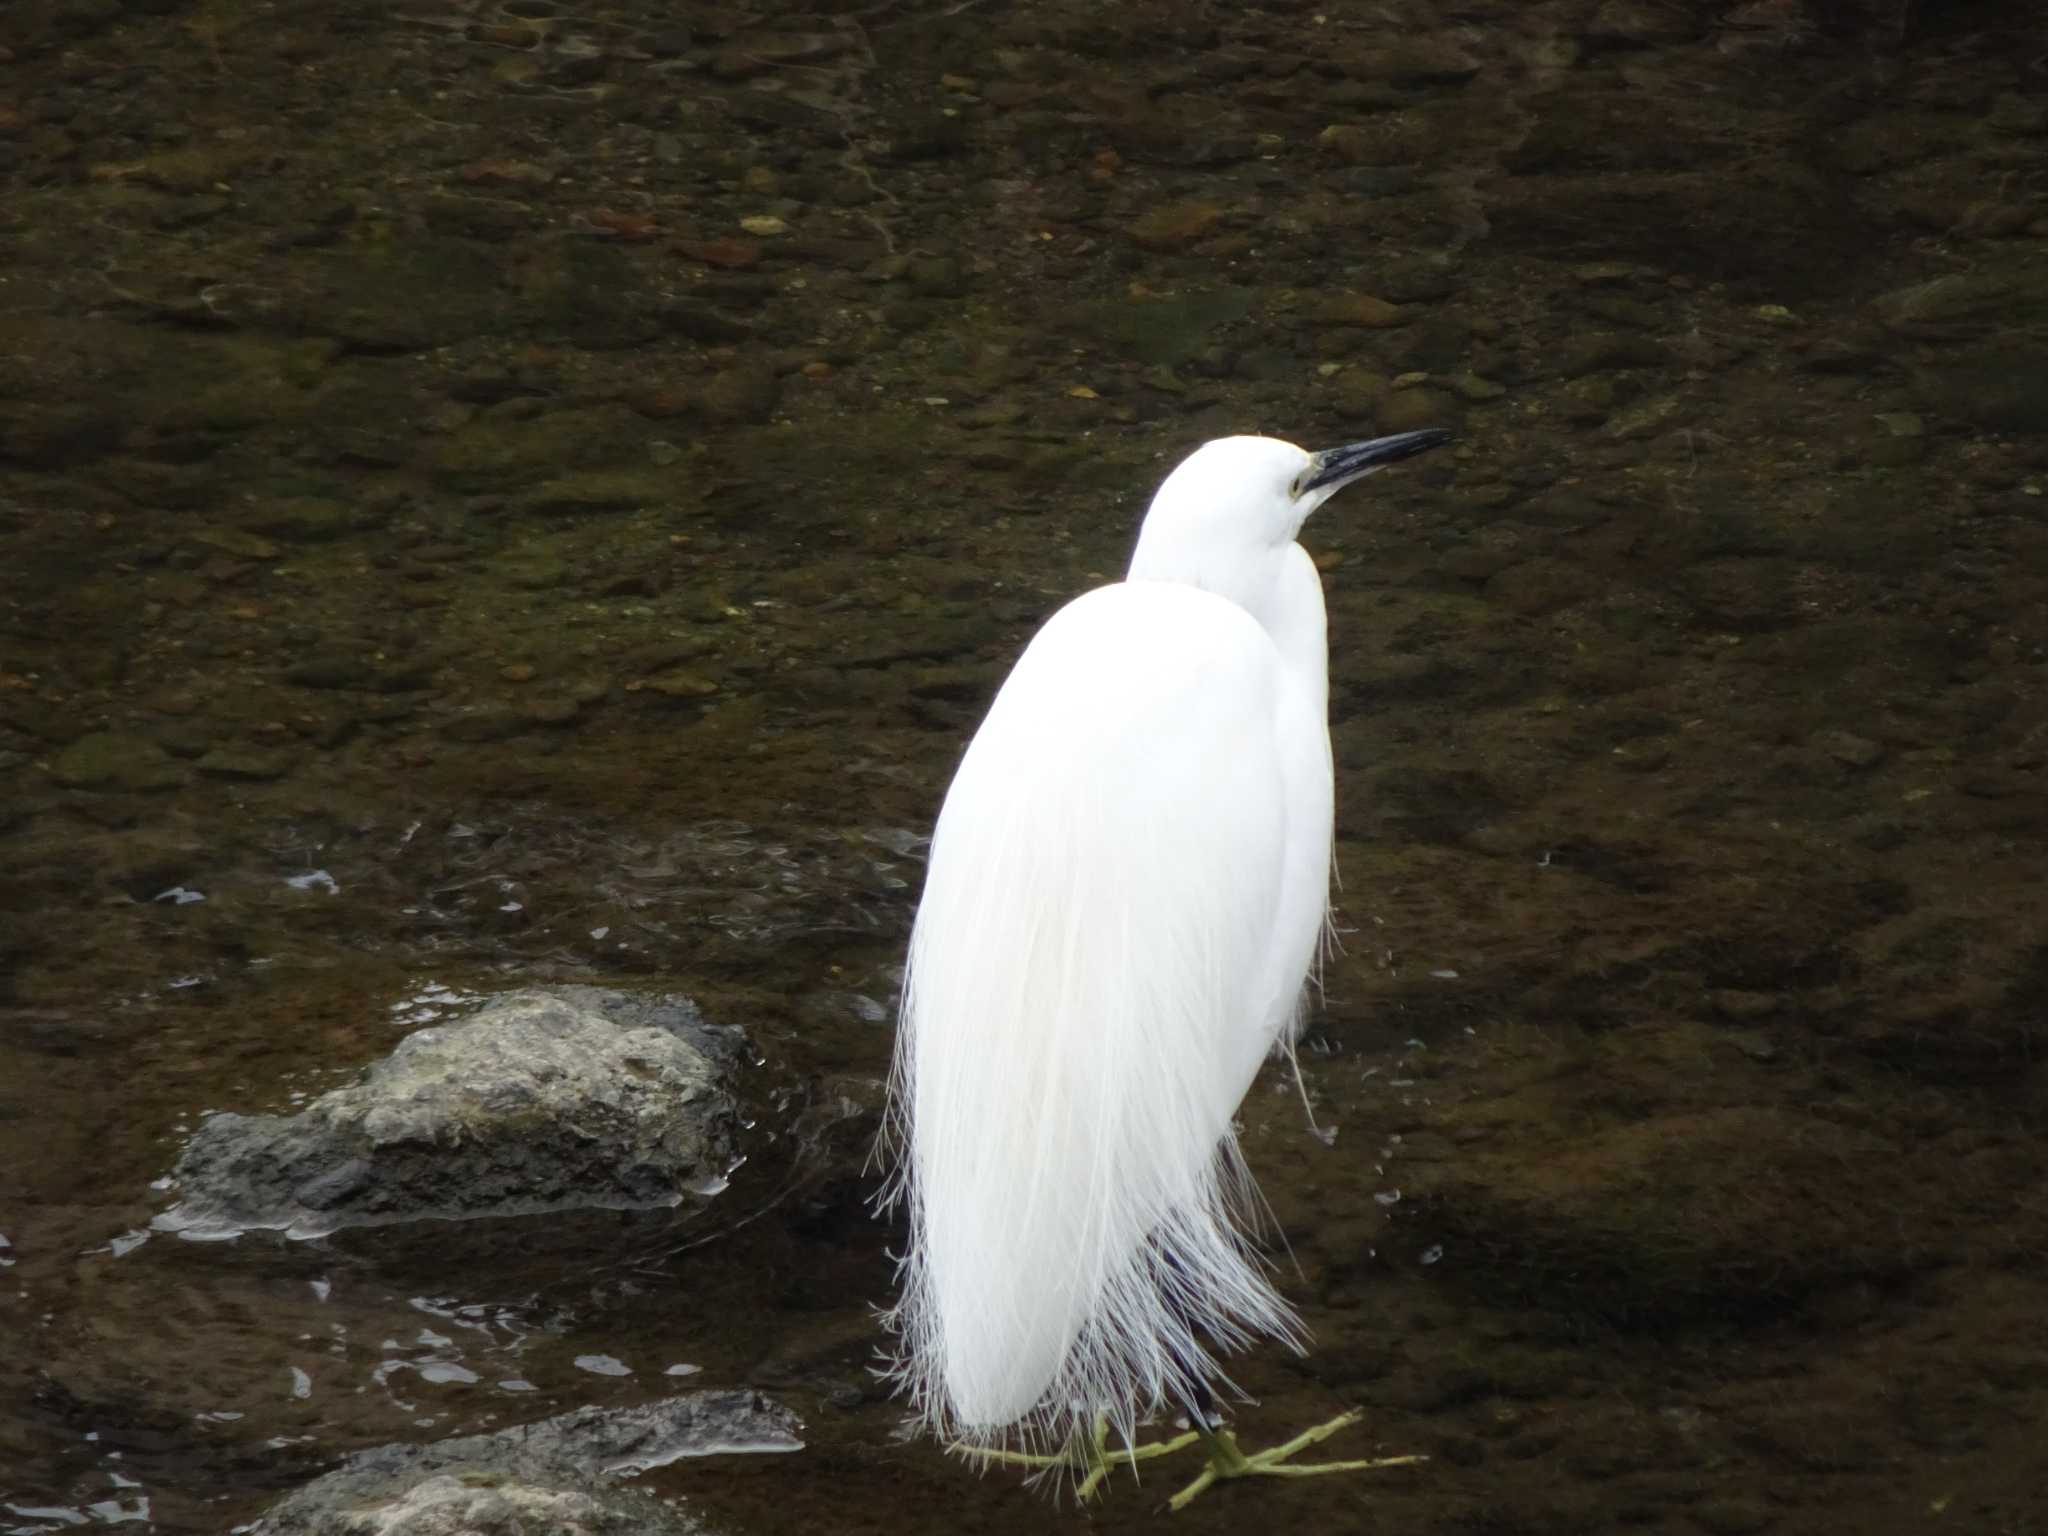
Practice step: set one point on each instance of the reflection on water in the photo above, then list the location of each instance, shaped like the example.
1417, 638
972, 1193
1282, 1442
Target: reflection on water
564, 527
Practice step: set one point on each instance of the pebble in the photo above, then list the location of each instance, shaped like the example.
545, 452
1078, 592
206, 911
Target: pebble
764, 225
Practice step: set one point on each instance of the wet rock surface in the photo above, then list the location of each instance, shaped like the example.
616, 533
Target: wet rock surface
540, 1102
506, 492
561, 1475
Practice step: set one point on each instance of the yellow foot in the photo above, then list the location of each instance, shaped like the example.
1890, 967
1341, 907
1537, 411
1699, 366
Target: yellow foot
1226, 1460
1090, 1458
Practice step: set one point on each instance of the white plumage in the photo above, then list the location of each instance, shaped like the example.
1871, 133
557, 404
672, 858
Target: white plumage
1126, 890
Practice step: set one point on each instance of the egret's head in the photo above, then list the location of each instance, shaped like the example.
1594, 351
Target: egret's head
1261, 489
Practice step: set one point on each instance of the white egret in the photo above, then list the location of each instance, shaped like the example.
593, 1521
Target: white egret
1127, 889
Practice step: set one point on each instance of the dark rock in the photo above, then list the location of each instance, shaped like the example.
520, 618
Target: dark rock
511, 446
1358, 309
478, 218
479, 725
2001, 386
777, 110
594, 295
1417, 280
559, 1477
1599, 351
541, 1102
1541, 585
746, 392
598, 491
1742, 594
1439, 345
249, 766
359, 672
405, 297
301, 520
234, 541
928, 135
1589, 130
1165, 332
700, 322
577, 69
1416, 61
936, 277
1640, 24
1733, 1517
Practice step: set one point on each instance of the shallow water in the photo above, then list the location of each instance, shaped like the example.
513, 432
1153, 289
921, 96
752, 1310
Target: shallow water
499, 495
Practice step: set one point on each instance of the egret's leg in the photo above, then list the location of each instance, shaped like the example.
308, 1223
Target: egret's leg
1089, 1456
1226, 1460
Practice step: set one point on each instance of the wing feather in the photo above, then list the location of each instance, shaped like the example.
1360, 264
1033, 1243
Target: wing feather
1090, 990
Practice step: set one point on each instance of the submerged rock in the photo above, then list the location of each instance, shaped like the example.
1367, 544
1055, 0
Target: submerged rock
107, 760
552, 1478
544, 1101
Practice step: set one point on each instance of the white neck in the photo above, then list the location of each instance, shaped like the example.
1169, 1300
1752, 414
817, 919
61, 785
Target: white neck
1277, 586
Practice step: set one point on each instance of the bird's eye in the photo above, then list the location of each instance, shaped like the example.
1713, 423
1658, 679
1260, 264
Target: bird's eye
1294, 489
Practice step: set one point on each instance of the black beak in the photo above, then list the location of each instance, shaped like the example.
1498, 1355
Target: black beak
1335, 466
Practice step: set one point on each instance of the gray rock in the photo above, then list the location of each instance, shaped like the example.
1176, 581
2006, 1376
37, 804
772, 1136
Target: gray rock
544, 1101
554, 1478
